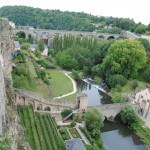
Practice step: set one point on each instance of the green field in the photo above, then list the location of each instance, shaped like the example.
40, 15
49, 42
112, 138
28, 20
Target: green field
40, 130
31, 69
60, 84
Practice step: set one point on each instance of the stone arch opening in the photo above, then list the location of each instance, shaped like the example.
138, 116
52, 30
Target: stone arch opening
100, 37
33, 35
39, 107
22, 100
31, 103
111, 38
47, 108
21, 34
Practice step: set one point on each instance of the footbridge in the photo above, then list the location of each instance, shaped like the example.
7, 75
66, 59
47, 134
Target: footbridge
110, 111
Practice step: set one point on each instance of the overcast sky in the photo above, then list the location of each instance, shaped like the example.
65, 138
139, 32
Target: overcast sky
139, 10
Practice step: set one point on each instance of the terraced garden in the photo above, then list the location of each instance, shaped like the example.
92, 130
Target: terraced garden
40, 130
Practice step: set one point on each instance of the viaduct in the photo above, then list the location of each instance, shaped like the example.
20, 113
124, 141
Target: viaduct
49, 34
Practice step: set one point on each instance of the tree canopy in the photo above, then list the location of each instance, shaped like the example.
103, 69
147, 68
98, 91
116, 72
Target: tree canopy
59, 20
124, 57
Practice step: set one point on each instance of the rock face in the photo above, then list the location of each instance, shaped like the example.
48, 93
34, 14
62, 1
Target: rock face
7, 110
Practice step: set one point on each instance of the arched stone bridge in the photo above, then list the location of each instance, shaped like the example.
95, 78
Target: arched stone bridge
110, 111
49, 34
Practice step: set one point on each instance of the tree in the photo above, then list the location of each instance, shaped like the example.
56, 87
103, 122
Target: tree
41, 45
145, 43
124, 57
146, 73
129, 117
93, 119
37, 52
134, 84
25, 46
148, 27
30, 39
140, 29
66, 112
116, 79
118, 98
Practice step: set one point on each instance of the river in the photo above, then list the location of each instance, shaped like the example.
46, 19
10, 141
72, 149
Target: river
115, 135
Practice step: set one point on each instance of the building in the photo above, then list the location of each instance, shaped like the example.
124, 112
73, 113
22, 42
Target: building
12, 24
74, 144
17, 48
45, 51
33, 47
142, 99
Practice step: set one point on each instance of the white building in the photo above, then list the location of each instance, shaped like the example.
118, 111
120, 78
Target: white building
45, 51
12, 24
142, 99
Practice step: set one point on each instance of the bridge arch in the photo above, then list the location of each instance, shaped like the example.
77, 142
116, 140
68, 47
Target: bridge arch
47, 108
21, 34
111, 37
101, 37
32, 103
39, 107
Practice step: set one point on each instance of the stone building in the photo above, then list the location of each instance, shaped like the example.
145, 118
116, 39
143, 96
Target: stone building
142, 99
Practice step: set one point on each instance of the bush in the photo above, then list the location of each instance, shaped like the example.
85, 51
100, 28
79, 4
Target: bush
73, 124
129, 117
114, 80
93, 119
134, 84
75, 74
66, 112
118, 98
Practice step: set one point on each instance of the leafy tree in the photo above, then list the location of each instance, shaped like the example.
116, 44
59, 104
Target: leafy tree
25, 46
118, 98
93, 119
146, 73
140, 29
116, 79
41, 45
124, 57
65, 61
37, 53
75, 74
66, 112
148, 27
145, 43
134, 84
128, 116
30, 39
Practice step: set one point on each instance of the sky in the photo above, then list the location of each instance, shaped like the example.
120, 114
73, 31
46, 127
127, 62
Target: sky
136, 9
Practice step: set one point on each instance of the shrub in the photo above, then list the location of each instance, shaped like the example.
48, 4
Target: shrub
75, 74
66, 112
114, 80
129, 117
73, 124
118, 98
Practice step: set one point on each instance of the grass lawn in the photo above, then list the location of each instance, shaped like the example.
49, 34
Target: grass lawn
70, 97
31, 69
60, 84
41, 88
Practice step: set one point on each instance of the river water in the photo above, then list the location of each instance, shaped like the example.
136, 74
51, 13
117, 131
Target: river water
96, 93
115, 135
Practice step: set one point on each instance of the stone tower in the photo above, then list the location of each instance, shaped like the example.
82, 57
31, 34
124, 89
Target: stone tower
82, 99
